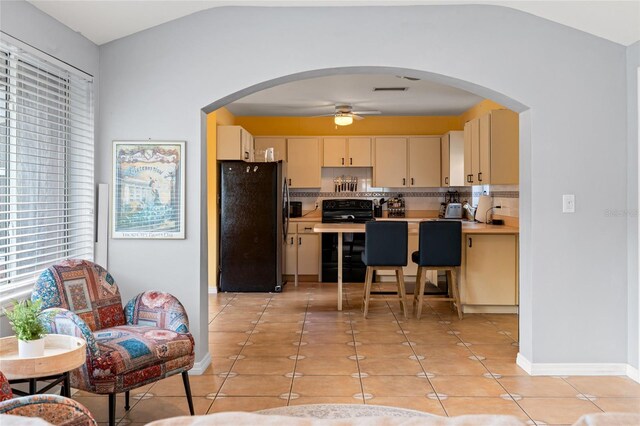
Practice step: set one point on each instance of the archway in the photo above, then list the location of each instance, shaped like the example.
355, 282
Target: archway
525, 335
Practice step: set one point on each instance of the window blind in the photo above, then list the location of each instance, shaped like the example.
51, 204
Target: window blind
46, 166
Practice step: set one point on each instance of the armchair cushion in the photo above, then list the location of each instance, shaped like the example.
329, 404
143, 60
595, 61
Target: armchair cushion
54, 409
83, 287
158, 309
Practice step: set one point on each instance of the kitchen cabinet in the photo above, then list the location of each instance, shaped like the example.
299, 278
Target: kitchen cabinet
424, 162
279, 146
406, 162
302, 250
290, 253
490, 270
347, 152
303, 168
452, 154
234, 143
491, 149
389, 162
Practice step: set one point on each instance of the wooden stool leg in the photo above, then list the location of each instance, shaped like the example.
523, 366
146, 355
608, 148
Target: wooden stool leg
401, 291
416, 288
367, 290
364, 289
420, 290
456, 293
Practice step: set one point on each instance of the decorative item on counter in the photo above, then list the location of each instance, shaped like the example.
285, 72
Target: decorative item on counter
395, 206
345, 183
377, 208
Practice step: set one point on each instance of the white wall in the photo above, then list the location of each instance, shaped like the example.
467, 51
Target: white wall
574, 267
154, 84
633, 64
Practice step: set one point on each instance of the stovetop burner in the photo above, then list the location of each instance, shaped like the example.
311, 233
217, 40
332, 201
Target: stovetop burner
347, 211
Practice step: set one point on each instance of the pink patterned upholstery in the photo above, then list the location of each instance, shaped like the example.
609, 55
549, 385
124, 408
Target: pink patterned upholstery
151, 342
54, 409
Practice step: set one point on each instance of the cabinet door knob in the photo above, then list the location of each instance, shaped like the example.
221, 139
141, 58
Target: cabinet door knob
470, 242
289, 182
411, 181
351, 161
342, 159
404, 181
291, 240
299, 241
446, 180
480, 177
246, 155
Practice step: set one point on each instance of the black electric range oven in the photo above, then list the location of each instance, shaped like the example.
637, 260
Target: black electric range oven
344, 211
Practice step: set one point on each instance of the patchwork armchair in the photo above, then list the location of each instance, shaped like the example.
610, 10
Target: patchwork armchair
54, 409
146, 341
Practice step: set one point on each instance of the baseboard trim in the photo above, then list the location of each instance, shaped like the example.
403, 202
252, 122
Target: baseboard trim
200, 366
633, 373
575, 369
489, 309
213, 290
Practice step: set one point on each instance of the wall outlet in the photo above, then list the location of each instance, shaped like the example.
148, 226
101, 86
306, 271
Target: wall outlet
568, 203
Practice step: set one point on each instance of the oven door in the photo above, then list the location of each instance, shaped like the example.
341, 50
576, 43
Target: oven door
353, 270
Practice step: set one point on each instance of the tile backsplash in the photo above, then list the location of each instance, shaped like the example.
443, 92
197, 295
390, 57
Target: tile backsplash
505, 196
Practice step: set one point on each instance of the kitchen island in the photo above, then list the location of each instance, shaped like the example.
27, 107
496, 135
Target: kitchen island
486, 263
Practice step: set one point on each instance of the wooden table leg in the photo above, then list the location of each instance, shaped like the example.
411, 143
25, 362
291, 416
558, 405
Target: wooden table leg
32, 386
67, 385
339, 271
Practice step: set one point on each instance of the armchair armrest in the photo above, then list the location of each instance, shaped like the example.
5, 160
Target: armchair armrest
51, 408
63, 321
155, 308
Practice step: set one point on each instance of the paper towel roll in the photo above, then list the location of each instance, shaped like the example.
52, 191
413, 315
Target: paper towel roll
484, 204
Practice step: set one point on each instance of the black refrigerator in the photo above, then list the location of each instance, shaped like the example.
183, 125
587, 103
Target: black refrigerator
253, 221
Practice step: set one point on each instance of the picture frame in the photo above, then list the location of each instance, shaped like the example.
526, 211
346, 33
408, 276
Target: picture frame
148, 190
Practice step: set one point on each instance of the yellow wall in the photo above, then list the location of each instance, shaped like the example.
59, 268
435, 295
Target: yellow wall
317, 126
371, 125
479, 109
220, 117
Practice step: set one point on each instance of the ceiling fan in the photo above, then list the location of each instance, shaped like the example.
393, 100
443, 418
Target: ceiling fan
344, 115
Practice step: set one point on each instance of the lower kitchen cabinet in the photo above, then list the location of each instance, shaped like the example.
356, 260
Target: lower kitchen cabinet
290, 252
490, 269
302, 250
308, 254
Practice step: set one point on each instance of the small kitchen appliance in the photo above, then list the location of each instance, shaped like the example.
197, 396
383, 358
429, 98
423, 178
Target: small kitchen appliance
451, 208
295, 208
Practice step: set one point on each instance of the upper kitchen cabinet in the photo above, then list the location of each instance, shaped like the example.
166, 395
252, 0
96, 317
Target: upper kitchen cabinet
412, 162
303, 162
347, 152
452, 154
234, 143
491, 149
390, 162
279, 146
424, 162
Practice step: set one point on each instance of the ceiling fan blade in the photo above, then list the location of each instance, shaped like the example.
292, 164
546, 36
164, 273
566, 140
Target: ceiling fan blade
324, 115
357, 117
367, 112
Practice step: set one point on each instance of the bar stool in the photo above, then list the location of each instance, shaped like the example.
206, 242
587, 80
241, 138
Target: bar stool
385, 249
440, 245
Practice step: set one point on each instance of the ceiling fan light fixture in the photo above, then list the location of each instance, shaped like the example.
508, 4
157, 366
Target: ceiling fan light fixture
343, 119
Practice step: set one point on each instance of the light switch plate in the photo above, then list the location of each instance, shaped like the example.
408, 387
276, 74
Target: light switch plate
568, 203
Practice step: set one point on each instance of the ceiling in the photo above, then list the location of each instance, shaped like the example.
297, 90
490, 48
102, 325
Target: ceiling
102, 21
318, 96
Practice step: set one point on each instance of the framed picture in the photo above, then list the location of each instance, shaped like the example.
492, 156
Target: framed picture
148, 189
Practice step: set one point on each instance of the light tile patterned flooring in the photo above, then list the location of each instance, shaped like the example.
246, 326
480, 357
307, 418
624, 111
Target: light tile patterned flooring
271, 350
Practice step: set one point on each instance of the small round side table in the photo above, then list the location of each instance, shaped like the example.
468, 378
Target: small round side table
61, 355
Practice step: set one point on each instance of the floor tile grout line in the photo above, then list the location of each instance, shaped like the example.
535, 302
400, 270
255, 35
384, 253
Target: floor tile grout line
295, 363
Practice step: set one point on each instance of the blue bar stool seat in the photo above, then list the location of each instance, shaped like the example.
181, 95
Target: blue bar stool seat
440, 248
385, 249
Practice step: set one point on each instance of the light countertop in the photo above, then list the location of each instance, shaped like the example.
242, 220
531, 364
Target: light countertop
412, 216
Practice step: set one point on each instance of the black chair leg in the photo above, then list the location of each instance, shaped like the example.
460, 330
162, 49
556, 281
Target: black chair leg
187, 389
126, 401
112, 409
